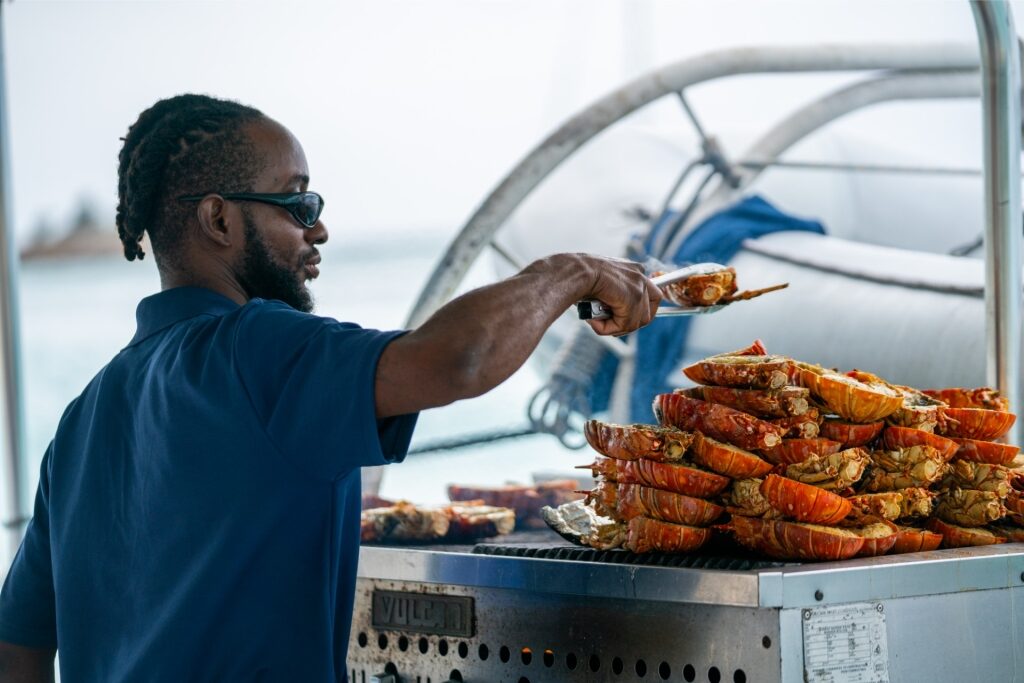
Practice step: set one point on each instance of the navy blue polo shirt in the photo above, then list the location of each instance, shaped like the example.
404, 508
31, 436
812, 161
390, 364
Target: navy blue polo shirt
197, 517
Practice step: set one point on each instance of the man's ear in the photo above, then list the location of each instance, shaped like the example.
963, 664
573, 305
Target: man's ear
220, 221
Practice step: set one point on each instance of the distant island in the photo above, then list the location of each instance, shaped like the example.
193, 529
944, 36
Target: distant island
87, 237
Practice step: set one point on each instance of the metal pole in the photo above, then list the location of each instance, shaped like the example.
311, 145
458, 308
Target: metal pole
1000, 93
11, 450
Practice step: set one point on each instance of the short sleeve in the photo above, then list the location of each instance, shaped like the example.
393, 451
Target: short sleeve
27, 604
312, 381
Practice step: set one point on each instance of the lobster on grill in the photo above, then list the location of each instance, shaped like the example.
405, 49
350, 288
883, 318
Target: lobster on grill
809, 463
632, 442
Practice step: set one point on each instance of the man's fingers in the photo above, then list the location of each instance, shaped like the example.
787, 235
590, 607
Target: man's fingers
654, 297
631, 296
603, 327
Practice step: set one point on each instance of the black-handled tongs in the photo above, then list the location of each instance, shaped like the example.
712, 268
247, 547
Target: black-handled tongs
591, 309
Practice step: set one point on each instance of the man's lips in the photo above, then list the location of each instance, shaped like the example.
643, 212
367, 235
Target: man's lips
312, 267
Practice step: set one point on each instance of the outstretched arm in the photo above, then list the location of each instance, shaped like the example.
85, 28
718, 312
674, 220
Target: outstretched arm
25, 665
478, 340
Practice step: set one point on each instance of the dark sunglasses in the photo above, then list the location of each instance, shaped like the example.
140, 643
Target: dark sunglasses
304, 206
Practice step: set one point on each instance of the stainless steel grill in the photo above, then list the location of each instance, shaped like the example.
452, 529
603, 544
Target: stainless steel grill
534, 609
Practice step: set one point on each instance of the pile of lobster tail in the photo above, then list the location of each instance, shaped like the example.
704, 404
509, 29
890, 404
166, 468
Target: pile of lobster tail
794, 461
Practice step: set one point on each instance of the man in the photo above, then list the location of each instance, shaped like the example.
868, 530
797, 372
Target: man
197, 511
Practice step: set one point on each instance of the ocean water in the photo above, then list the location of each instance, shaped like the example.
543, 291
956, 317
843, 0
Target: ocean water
76, 314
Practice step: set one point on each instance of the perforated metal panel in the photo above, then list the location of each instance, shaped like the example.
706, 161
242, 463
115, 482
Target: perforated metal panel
525, 637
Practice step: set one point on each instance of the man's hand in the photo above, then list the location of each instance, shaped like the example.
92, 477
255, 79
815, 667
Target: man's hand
475, 342
25, 665
623, 288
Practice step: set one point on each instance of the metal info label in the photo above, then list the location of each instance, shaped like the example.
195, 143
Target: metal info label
846, 644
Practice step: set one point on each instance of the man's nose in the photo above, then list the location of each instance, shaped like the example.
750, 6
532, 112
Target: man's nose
317, 234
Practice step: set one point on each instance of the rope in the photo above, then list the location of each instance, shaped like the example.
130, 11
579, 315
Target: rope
566, 394
472, 440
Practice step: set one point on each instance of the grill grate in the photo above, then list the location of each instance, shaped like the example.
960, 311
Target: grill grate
548, 551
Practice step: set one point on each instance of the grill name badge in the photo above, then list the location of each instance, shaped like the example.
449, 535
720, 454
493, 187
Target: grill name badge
442, 615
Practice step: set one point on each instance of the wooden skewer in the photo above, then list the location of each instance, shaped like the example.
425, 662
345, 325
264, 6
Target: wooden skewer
751, 293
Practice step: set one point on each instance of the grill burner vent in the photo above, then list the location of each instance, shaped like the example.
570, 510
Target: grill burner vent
547, 551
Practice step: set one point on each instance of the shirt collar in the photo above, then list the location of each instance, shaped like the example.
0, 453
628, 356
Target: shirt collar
171, 306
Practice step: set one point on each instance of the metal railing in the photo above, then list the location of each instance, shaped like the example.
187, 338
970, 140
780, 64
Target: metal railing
1000, 98
12, 448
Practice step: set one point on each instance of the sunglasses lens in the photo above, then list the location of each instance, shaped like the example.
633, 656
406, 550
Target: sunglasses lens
308, 208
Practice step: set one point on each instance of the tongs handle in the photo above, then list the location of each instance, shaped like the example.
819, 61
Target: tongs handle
591, 309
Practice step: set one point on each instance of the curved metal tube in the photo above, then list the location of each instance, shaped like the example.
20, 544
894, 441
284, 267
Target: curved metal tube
1000, 71
795, 127
496, 208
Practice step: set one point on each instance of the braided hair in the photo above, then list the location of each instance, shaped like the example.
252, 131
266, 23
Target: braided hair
187, 144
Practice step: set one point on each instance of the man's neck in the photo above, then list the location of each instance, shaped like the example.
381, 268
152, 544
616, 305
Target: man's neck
219, 280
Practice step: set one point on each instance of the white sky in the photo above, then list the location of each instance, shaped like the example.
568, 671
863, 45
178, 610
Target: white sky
409, 111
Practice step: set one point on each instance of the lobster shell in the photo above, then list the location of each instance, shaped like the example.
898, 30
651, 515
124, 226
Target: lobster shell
526, 501
835, 471
916, 502
969, 508
979, 476
646, 534
848, 397
792, 451
849, 434
913, 540
1015, 502
717, 421
918, 410
983, 397
473, 520
1012, 534
702, 289
976, 423
747, 372
904, 437
954, 536
985, 451
879, 537
794, 540
885, 505
727, 459
688, 481
804, 426
804, 502
914, 467
664, 444
756, 348
744, 498
754, 533
782, 403
634, 500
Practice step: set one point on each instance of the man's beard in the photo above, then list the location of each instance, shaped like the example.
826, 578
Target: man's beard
264, 278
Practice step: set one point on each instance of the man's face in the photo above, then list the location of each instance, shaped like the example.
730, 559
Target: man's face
280, 254
265, 277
